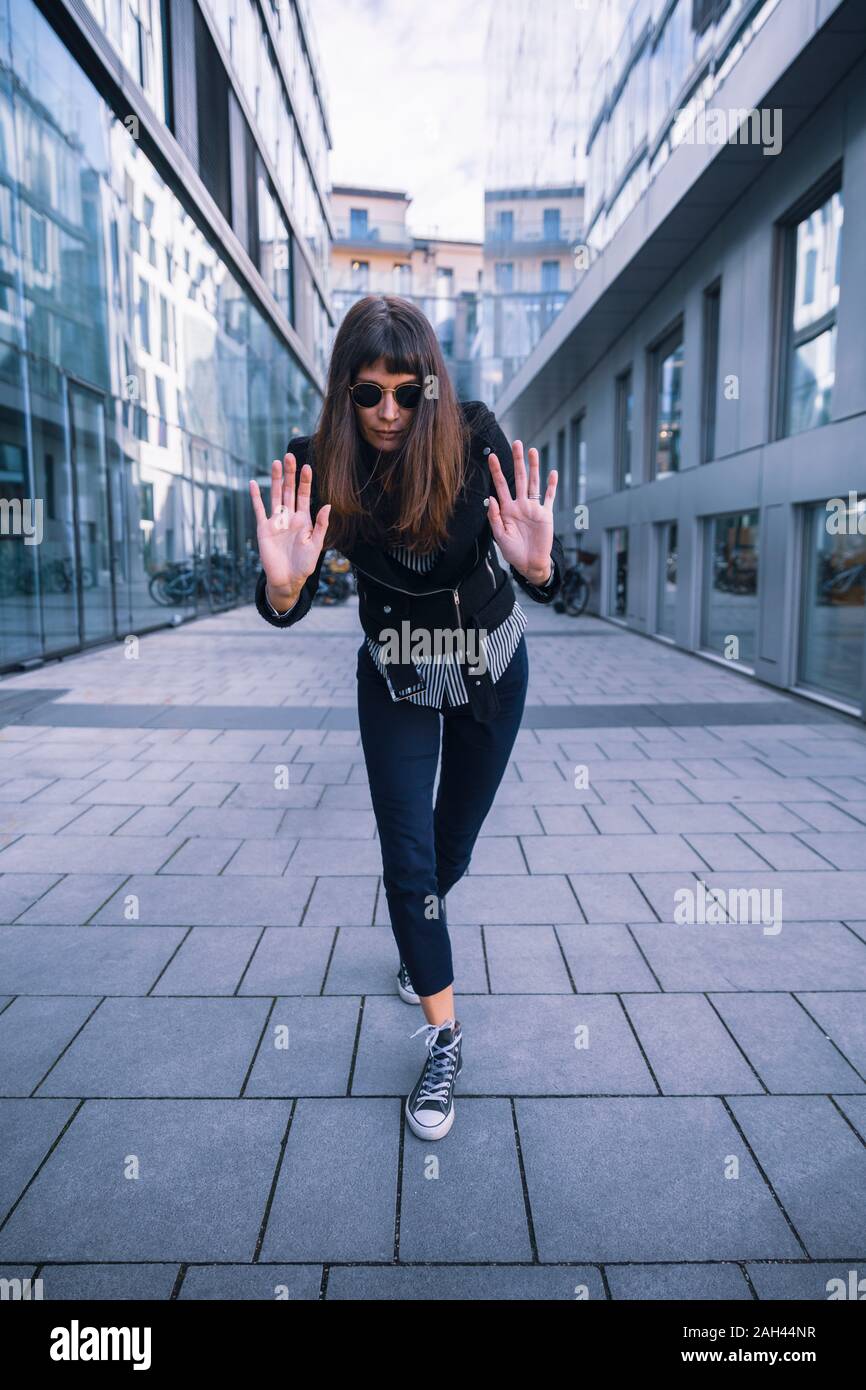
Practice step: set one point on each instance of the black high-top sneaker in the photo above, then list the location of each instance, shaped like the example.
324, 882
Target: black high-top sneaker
430, 1106
405, 987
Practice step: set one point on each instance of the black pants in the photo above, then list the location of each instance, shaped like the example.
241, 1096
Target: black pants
427, 848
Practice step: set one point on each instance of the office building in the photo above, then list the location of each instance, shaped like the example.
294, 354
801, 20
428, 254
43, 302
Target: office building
164, 314
702, 392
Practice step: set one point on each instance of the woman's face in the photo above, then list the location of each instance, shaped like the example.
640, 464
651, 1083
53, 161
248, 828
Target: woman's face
384, 425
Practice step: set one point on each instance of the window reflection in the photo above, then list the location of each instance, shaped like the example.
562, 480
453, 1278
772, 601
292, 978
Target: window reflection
834, 600
730, 608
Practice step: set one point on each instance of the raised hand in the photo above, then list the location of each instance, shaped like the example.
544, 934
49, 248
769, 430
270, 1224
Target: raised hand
522, 526
289, 543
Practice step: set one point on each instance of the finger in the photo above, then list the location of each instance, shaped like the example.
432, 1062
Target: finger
323, 516
289, 483
519, 469
550, 493
276, 486
258, 505
302, 503
500, 482
534, 479
494, 517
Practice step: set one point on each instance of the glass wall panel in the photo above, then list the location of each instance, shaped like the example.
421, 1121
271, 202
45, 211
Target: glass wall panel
154, 388
834, 594
730, 607
666, 612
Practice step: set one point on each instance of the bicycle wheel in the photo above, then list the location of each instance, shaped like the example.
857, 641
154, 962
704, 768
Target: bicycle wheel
575, 594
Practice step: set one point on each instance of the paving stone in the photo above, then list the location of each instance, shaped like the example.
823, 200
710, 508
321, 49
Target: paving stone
211, 960
84, 960
739, 956
333, 858
251, 854
469, 1204
610, 898
787, 1049
842, 1017
289, 962
73, 901
161, 1047
80, 854
815, 1280
210, 900
846, 850
617, 820
340, 901
33, 1033
19, 891
19, 820
345, 1208
643, 1179
678, 1282
28, 1129
108, 1282
200, 856
577, 854
273, 1282
786, 852
306, 1048
525, 960
83, 1206
695, 819
687, 1047
816, 1165
604, 959
543, 899
722, 852
431, 1283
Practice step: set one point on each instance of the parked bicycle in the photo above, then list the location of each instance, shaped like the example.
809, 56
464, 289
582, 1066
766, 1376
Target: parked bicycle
573, 597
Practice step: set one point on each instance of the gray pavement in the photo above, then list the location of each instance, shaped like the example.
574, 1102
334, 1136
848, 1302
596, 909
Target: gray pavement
204, 1056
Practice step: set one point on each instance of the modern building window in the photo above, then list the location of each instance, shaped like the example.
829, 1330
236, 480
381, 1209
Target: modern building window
730, 599
710, 371
549, 276
144, 314
402, 278
812, 253
580, 458
561, 461
212, 84
707, 12
666, 610
504, 276
360, 275
551, 225
358, 226
618, 571
622, 443
504, 227
38, 242
834, 601
667, 398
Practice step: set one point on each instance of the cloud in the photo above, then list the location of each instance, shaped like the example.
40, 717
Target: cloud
407, 92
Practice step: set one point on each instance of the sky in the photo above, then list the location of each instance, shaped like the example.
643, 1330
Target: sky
406, 103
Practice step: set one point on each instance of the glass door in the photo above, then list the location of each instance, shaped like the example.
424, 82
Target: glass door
93, 579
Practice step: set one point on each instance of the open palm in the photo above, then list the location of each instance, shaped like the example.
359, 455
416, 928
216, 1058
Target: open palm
522, 526
289, 543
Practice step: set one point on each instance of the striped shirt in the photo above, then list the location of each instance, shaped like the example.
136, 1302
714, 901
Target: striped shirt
445, 685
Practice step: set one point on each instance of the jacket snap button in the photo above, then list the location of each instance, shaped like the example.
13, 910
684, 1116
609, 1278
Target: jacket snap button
387, 608
487, 450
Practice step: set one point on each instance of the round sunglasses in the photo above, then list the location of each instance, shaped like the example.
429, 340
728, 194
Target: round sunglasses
367, 394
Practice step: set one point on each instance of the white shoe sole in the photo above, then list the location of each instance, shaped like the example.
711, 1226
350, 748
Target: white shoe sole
407, 995
429, 1131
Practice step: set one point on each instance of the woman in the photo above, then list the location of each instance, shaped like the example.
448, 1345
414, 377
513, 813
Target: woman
406, 470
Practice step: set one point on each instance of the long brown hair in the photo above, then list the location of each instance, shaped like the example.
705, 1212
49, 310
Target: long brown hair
417, 485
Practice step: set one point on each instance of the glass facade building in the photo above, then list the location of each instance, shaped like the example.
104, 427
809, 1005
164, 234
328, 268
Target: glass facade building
156, 348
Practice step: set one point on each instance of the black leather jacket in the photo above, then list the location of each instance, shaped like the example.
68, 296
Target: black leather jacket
466, 586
